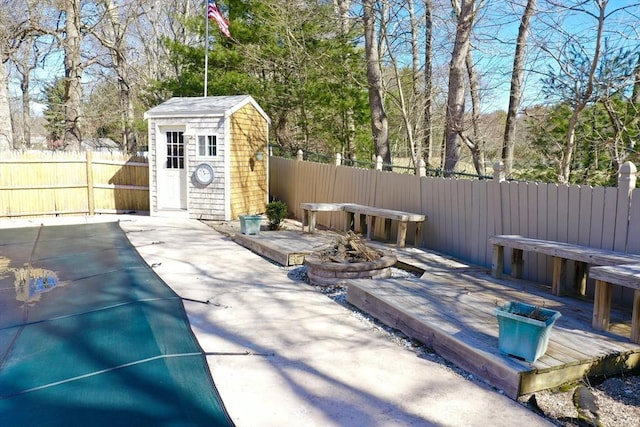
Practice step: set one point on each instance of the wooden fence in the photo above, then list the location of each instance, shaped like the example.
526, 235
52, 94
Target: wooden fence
463, 214
81, 183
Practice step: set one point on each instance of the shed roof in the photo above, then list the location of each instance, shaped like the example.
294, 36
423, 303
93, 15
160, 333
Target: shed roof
210, 106
100, 143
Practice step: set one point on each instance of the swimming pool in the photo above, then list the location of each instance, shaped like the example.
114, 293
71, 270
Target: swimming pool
90, 335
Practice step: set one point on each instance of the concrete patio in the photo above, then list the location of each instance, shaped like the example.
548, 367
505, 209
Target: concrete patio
283, 354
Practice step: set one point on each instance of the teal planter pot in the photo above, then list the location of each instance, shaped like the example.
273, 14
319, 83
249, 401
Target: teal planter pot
524, 329
250, 224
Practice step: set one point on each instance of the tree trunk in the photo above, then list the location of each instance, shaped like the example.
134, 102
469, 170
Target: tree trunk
6, 132
581, 102
428, 83
26, 109
416, 76
475, 145
515, 94
404, 110
379, 124
633, 110
116, 43
454, 118
341, 8
73, 76
25, 65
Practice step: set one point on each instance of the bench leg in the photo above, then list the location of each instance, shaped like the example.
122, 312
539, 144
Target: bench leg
418, 240
387, 229
351, 222
559, 265
580, 283
517, 263
312, 221
635, 318
305, 219
402, 234
371, 223
364, 224
497, 265
601, 306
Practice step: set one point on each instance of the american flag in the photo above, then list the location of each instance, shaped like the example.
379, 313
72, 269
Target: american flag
214, 13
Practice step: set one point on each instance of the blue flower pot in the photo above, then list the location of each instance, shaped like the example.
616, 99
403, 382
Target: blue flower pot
523, 336
250, 224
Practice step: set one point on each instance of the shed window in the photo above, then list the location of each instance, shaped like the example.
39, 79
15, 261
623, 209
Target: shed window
175, 150
207, 145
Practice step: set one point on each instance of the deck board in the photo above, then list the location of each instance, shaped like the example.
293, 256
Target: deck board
451, 309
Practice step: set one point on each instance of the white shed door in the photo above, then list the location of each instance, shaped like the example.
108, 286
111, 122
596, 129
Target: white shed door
172, 173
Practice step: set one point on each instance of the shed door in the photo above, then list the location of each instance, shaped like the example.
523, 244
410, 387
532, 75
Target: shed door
172, 174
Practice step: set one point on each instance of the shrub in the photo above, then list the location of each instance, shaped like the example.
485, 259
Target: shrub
276, 213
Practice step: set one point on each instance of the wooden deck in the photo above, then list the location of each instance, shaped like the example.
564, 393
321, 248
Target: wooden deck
452, 310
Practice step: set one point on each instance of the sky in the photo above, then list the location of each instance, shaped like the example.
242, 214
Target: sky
494, 45
495, 51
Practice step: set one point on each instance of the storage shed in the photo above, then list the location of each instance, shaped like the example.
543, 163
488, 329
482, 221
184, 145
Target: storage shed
208, 157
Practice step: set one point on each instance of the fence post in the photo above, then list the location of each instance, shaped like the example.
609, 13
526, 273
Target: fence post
422, 168
495, 200
299, 155
90, 197
338, 159
379, 163
626, 184
627, 176
498, 172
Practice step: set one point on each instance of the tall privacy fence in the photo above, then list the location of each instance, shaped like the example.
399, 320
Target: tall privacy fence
63, 183
463, 214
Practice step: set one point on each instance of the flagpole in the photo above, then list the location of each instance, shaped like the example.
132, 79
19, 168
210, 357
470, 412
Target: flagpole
206, 47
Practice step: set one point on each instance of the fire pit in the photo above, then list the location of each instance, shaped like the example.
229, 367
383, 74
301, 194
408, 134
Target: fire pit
347, 258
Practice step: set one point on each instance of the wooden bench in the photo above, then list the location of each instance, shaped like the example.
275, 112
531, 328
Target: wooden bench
310, 210
561, 252
623, 275
370, 214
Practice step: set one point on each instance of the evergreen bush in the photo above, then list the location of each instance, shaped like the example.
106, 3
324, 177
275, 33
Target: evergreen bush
276, 213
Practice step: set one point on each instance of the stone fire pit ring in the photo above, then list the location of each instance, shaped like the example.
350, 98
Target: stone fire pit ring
327, 273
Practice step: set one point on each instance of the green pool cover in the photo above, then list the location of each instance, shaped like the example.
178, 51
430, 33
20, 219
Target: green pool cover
90, 336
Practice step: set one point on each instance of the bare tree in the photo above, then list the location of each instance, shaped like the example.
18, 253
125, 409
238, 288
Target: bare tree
341, 9
633, 109
405, 111
112, 34
6, 131
621, 108
25, 60
428, 83
73, 68
379, 124
583, 98
575, 78
475, 143
415, 82
454, 120
13, 28
515, 93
